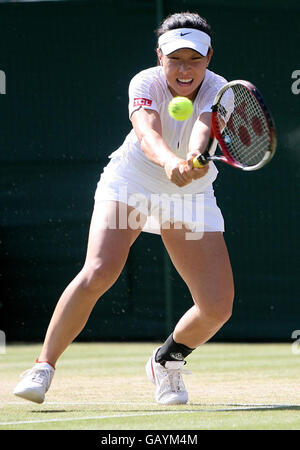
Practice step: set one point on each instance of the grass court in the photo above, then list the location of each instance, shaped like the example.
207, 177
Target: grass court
103, 386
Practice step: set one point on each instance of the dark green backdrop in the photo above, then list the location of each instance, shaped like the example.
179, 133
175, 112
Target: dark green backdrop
67, 66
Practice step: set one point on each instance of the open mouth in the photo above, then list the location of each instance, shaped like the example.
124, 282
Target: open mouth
184, 81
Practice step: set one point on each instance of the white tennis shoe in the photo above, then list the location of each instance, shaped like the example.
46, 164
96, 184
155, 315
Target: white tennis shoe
170, 388
35, 383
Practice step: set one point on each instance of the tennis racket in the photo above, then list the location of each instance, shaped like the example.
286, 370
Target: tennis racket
242, 125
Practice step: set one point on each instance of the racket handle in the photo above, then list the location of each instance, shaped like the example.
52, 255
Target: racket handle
199, 161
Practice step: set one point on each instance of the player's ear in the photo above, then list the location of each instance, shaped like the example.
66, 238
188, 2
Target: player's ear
209, 55
159, 57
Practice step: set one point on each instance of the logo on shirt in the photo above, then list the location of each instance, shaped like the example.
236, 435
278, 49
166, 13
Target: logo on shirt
142, 102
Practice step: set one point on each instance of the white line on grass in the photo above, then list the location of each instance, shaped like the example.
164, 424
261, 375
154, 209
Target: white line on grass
115, 416
156, 413
83, 403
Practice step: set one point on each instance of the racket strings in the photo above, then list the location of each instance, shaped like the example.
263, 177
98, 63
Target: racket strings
246, 132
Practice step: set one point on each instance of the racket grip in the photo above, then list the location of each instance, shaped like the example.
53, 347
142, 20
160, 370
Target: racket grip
199, 161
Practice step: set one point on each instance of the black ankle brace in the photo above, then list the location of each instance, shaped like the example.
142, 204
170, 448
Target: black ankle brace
172, 351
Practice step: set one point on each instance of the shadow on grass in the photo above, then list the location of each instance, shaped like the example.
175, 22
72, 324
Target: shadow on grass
47, 411
243, 407
181, 408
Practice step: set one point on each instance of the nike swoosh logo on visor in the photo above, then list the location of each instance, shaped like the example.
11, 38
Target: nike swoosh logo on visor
183, 34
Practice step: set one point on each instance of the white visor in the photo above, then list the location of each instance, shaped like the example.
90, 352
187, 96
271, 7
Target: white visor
184, 38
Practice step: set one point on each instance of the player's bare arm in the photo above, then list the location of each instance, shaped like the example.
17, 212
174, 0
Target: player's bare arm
198, 141
147, 126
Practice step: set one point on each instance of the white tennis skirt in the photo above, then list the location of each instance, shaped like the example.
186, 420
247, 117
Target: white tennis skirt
158, 200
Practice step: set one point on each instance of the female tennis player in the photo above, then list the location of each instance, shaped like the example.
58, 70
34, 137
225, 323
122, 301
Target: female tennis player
150, 184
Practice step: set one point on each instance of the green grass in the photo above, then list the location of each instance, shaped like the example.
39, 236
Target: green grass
102, 386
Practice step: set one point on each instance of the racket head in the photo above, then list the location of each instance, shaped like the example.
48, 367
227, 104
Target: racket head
243, 126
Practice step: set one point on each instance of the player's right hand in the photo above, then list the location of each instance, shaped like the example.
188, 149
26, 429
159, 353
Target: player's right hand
178, 171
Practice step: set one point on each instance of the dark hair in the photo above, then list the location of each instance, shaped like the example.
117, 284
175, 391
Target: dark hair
183, 20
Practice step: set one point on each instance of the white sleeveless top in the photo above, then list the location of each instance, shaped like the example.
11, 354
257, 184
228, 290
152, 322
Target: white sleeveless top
148, 89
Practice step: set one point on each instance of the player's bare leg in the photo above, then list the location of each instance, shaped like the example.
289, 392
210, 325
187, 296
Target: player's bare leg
108, 247
205, 267
106, 255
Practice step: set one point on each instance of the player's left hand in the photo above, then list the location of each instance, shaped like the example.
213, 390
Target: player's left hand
194, 172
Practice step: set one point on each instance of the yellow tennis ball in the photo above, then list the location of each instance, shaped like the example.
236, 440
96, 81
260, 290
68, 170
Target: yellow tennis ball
180, 108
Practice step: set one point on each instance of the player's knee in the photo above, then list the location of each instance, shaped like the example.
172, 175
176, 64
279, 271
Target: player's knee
99, 276
219, 314
224, 313
218, 310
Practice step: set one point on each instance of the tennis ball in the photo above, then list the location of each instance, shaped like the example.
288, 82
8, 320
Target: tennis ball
180, 108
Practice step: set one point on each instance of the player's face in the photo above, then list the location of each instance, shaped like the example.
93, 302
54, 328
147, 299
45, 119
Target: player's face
184, 70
